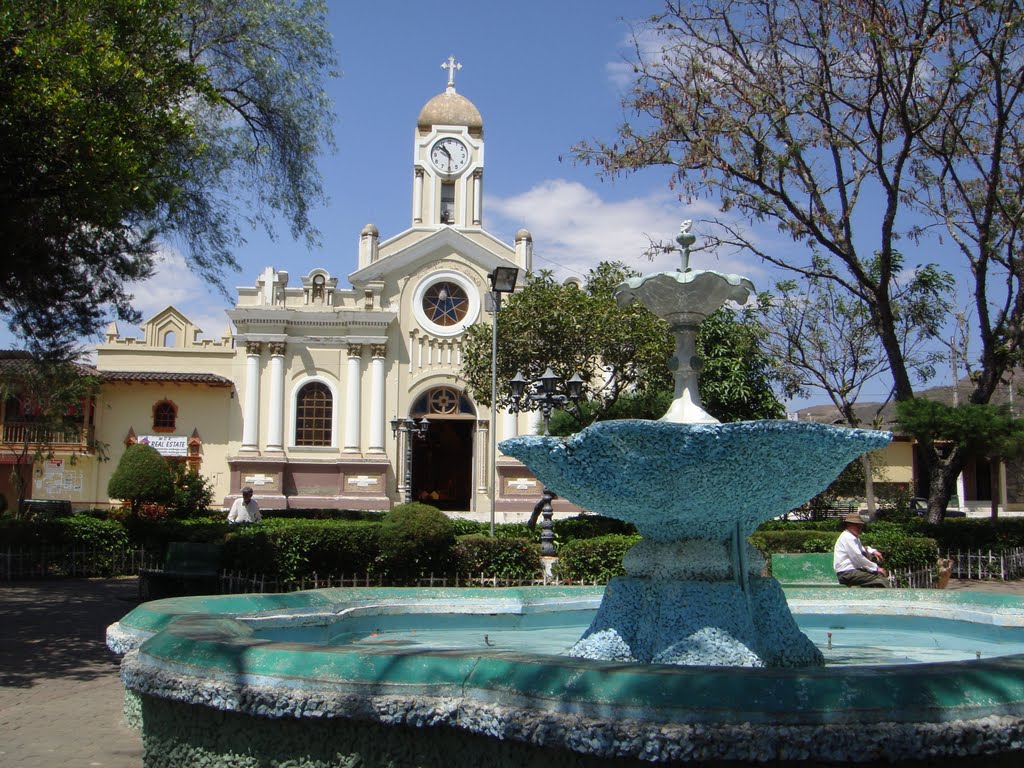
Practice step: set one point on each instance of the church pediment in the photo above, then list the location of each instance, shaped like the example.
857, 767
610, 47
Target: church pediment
481, 249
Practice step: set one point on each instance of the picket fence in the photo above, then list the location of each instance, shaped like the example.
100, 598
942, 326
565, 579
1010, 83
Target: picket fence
55, 561
51, 561
237, 582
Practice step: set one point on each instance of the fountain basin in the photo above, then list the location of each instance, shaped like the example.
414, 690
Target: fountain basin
206, 689
693, 481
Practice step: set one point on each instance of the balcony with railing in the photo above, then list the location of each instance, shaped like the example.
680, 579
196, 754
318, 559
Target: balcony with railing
22, 433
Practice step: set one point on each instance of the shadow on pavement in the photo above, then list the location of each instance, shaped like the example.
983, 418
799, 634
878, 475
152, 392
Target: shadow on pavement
56, 628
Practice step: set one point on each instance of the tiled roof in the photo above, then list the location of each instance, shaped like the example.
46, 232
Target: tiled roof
167, 377
18, 361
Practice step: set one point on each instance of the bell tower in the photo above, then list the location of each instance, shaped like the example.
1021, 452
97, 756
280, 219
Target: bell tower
448, 161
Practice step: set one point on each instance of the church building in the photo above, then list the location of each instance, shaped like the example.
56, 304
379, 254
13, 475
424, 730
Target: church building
299, 400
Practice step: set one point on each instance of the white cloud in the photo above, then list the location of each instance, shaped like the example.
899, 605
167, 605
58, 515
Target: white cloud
174, 284
573, 229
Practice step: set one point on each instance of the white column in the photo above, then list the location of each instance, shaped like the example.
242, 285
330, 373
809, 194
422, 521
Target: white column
377, 383
275, 430
478, 183
353, 409
251, 417
483, 430
509, 424
417, 197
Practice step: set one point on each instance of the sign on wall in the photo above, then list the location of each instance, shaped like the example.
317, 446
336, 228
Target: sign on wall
166, 445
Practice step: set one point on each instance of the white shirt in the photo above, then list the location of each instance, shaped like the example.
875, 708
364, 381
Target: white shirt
850, 555
244, 513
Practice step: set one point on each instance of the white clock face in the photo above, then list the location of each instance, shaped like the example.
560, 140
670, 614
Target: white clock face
449, 155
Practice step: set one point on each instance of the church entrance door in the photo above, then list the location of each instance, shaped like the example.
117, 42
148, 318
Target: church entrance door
442, 465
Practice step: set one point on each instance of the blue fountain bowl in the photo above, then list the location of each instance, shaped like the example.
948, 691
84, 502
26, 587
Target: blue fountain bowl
693, 481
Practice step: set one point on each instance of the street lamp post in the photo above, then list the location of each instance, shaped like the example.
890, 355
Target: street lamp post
544, 394
409, 428
503, 280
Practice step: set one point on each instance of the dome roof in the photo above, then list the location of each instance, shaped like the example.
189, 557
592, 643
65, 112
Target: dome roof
450, 108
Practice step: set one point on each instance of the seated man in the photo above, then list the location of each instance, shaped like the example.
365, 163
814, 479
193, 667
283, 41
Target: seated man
854, 563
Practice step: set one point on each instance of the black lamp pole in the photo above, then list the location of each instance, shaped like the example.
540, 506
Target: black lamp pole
503, 280
409, 428
545, 396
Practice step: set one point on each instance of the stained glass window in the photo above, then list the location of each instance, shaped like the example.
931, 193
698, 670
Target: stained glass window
445, 303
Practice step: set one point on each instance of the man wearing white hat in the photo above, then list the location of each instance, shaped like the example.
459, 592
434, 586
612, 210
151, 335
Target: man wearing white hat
857, 565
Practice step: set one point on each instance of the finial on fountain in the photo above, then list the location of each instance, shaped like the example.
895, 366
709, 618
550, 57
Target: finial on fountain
686, 238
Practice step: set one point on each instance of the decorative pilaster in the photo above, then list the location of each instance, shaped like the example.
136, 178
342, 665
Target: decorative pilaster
377, 417
483, 428
478, 185
275, 430
251, 416
417, 197
353, 390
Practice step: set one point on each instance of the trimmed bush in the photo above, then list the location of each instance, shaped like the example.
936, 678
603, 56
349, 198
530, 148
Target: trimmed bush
295, 549
914, 552
193, 494
595, 559
142, 476
506, 558
590, 526
415, 539
796, 540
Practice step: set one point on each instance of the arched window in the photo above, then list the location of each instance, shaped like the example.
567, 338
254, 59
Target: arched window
165, 416
170, 339
314, 411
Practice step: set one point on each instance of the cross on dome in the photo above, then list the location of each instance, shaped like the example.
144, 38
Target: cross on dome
451, 65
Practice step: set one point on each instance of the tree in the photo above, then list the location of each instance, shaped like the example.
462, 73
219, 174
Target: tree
621, 352
125, 123
142, 477
819, 337
848, 126
90, 101
978, 430
46, 404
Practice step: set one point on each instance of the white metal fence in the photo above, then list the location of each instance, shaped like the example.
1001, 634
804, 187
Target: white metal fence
1005, 564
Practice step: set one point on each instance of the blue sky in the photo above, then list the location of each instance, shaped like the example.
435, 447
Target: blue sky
544, 75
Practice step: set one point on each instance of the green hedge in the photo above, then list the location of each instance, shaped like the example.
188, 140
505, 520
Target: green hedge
81, 531
900, 550
596, 559
504, 557
291, 549
973, 533
415, 540
590, 526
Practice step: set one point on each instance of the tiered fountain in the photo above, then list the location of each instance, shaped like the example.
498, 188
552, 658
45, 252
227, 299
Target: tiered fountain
692, 657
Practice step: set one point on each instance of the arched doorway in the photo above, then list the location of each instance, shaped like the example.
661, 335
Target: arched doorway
442, 460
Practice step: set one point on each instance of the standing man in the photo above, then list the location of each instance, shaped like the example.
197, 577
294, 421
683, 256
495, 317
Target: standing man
857, 565
245, 509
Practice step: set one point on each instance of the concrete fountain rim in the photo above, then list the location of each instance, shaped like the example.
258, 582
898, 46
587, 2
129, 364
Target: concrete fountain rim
199, 652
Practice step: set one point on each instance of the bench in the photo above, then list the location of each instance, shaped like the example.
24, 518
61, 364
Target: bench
804, 570
189, 569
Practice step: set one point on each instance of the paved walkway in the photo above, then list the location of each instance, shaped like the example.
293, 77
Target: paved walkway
60, 696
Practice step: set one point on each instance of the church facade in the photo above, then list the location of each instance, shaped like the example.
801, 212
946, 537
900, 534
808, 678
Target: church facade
298, 401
